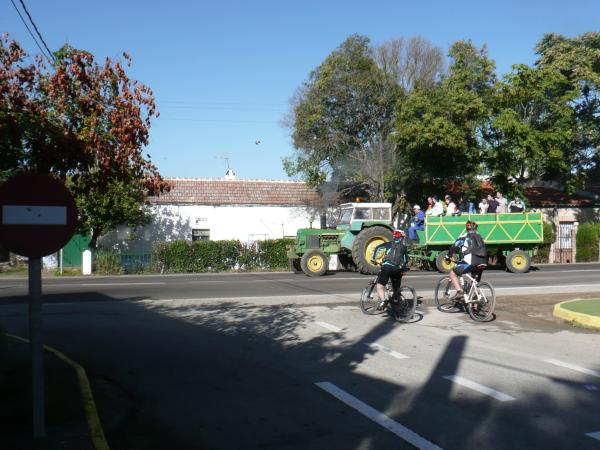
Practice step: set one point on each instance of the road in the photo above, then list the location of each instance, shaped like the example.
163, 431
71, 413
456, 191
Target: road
281, 361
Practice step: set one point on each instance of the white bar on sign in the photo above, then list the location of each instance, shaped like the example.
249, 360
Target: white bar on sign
34, 215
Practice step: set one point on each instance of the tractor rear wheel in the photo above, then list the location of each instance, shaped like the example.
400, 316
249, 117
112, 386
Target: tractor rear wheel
364, 245
314, 263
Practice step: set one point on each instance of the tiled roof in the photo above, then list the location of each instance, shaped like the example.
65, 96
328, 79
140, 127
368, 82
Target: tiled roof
217, 192
546, 196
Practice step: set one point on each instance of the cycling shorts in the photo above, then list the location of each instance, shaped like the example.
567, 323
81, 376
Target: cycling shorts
463, 267
388, 272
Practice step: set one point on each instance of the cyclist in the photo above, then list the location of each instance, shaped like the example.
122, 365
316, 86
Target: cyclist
471, 248
394, 263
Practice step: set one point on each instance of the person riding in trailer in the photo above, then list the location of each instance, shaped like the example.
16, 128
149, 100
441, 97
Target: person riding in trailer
394, 263
473, 256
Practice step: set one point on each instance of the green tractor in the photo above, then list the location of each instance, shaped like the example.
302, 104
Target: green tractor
361, 227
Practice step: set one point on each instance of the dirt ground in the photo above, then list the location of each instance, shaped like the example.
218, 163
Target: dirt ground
538, 308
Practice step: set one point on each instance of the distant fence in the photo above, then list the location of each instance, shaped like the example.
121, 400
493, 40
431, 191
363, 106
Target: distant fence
110, 262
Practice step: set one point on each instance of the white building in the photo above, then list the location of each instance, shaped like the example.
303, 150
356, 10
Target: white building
219, 209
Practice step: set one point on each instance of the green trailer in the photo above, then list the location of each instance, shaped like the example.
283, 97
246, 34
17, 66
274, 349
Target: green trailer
510, 238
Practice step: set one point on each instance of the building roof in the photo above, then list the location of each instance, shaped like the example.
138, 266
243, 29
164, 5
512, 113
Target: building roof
221, 192
542, 196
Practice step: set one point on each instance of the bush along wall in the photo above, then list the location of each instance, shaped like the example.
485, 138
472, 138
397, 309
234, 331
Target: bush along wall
543, 252
220, 256
587, 242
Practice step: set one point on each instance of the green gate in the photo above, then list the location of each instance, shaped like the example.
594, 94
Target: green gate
72, 252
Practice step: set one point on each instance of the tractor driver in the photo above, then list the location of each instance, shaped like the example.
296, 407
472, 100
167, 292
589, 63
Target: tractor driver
394, 263
471, 248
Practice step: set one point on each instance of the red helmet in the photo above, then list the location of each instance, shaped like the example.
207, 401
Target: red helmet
471, 226
398, 234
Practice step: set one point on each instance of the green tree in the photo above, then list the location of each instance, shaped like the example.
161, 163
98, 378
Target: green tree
531, 129
578, 61
84, 122
438, 130
342, 118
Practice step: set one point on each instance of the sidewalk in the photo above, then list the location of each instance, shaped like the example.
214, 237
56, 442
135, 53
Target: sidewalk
583, 312
66, 422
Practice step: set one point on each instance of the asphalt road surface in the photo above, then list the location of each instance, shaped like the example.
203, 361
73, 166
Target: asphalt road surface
282, 361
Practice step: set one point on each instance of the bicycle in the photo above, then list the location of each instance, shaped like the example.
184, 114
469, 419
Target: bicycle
479, 298
401, 306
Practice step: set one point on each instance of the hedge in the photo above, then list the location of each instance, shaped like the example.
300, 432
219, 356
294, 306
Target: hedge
220, 256
587, 242
543, 251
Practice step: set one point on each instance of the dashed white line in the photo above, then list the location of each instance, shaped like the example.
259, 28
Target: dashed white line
378, 417
480, 388
387, 351
566, 365
329, 327
594, 435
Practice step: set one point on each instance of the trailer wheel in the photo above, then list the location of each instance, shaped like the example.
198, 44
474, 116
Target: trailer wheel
314, 263
364, 245
295, 266
441, 264
518, 261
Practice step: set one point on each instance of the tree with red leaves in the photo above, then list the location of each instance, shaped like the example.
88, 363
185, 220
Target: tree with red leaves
87, 124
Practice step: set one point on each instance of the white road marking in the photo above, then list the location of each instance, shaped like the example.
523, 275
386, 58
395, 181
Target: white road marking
387, 351
480, 388
329, 327
119, 284
590, 387
558, 286
378, 417
556, 362
594, 435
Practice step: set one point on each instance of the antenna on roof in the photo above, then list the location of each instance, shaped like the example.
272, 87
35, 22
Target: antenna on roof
230, 174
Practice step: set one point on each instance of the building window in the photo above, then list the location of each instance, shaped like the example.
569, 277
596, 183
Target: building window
200, 235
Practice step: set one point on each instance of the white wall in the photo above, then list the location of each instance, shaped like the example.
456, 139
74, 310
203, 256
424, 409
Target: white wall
245, 223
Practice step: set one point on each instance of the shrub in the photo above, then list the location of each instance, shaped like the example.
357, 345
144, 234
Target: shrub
107, 263
543, 252
587, 242
272, 253
219, 256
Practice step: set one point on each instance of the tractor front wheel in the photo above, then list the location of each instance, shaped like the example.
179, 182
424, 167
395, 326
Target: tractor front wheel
314, 263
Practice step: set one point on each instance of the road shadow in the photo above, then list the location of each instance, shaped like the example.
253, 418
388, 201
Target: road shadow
225, 375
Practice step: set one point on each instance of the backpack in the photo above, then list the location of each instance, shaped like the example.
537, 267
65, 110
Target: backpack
396, 254
477, 245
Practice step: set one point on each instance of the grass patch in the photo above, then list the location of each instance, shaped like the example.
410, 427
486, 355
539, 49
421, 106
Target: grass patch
590, 307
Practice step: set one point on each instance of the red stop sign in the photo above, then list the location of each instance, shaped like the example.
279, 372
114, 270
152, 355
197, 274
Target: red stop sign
37, 215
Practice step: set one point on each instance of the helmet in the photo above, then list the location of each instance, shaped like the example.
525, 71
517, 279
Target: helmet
416, 207
471, 226
398, 234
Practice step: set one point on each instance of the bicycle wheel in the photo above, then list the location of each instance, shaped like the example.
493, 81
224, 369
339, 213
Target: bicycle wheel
444, 292
482, 309
404, 308
369, 300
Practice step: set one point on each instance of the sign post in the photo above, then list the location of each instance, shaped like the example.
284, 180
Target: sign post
37, 218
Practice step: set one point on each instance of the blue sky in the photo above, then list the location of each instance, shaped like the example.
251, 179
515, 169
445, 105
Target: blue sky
222, 72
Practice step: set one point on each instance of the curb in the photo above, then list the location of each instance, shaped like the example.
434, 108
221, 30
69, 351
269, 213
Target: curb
89, 406
579, 318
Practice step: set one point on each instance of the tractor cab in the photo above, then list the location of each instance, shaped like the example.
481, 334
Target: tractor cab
354, 216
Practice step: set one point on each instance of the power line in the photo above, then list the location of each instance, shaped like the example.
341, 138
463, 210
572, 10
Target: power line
30, 32
36, 30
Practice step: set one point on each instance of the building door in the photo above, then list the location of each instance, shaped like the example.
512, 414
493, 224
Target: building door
563, 249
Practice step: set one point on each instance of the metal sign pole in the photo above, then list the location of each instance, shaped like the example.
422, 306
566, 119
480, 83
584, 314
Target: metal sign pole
37, 347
